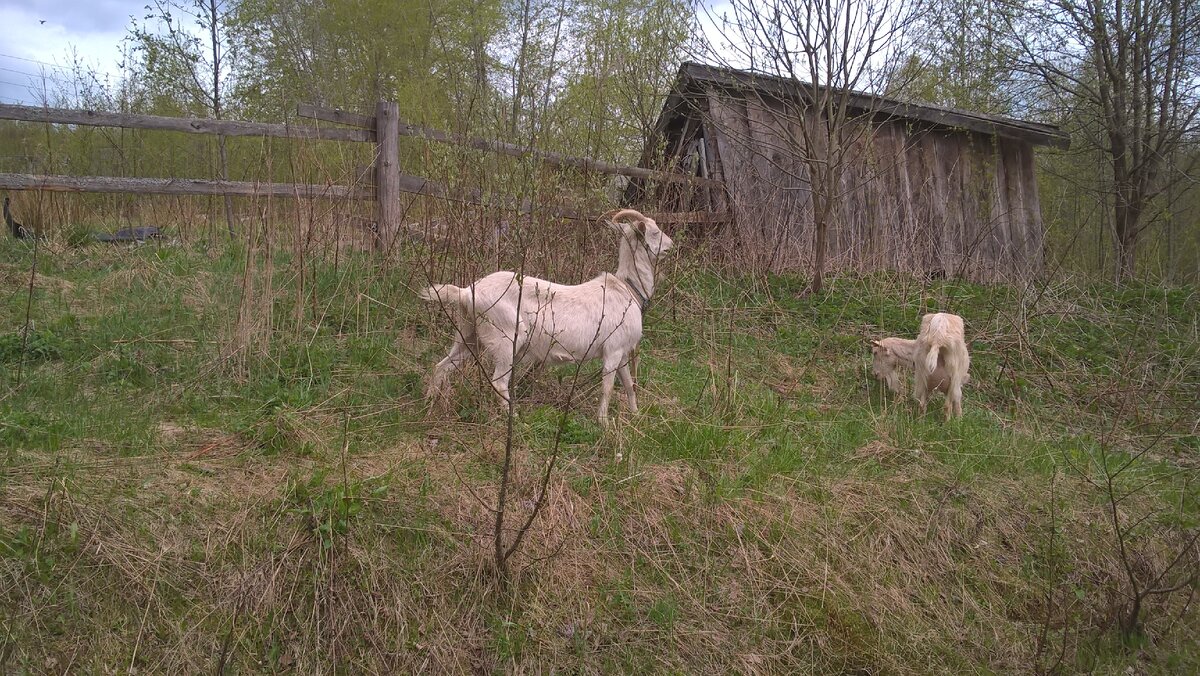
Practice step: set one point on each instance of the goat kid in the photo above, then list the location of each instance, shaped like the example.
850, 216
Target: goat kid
941, 343
521, 320
938, 357
891, 356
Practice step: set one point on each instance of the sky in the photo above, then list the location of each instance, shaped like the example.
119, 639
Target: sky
37, 37
40, 38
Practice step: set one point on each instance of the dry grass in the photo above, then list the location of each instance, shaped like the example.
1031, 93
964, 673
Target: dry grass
15, 277
859, 573
769, 512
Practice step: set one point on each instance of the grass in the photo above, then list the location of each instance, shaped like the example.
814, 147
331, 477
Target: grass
166, 507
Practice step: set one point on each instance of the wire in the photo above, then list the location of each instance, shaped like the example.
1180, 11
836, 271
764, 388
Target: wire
37, 76
43, 63
17, 84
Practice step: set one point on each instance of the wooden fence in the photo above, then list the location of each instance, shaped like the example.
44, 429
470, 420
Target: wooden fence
384, 129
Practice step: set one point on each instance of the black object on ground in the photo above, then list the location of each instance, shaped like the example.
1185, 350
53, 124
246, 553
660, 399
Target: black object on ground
19, 231
139, 234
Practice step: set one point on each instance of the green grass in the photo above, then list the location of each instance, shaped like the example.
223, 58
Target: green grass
166, 505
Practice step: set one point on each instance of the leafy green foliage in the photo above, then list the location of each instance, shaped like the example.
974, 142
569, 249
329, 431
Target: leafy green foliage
330, 511
37, 345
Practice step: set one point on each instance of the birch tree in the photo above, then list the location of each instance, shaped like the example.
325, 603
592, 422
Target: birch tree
1128, 73
191, 55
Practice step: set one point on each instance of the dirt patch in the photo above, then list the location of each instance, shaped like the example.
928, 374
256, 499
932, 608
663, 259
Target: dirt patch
128, 278
250, 481
198, 443
170, 431
885, 453
671, 482
12, 276
788, 375
197, 296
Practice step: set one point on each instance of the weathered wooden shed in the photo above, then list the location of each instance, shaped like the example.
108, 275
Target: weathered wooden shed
927, 189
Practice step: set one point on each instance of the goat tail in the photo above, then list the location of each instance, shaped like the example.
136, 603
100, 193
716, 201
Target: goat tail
447, 294
931, 359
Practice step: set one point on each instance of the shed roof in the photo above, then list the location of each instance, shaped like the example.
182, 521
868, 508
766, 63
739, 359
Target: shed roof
697, 77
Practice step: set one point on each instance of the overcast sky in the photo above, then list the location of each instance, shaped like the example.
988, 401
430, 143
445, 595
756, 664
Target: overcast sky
37, 36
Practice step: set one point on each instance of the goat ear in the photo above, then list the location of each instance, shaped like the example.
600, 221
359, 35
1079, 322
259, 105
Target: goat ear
641, 227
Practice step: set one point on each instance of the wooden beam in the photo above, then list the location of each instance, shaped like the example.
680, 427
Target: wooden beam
387, 169
410, 184
557, 159
888, 108
422, 186
958, 120
187, 125
339, 116
691, 217
179, 186
335, 115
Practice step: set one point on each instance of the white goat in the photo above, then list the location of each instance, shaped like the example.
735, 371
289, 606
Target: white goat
938, 358
890, 355
517, 319
941, 344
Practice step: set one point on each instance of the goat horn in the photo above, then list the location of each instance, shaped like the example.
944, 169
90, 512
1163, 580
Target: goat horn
623, 213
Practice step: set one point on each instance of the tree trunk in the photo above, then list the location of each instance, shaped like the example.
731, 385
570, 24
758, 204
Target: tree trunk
519, 74
1125, 255
818, 280
822, 208
1170, 248
215, 43
225, 177
1127, 213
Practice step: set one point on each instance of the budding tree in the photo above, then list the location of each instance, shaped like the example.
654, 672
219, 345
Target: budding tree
1127, 75
191, 57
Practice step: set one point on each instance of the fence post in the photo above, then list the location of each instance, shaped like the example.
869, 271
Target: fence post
387, 172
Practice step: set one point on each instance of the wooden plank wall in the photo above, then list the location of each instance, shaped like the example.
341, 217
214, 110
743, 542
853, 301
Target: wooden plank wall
917, 199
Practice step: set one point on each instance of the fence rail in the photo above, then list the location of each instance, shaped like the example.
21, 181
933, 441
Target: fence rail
335, 115
187, 125
501, 148
384, 129
180, 186
555, 159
